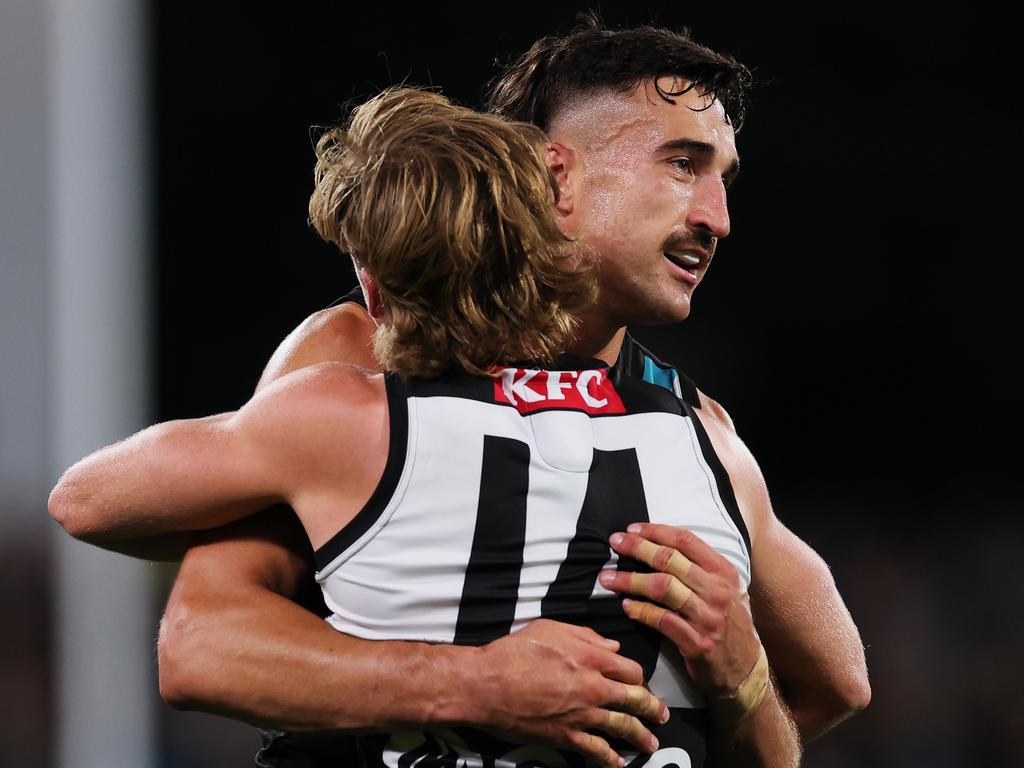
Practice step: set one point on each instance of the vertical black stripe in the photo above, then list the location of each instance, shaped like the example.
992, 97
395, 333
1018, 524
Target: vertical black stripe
615, 498
722, 480
491, 589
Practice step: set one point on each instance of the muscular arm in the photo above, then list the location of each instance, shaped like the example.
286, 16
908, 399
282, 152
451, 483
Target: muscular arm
232, 642
283, 445
812, 643
284, 666
116, 497
810, 637
175, 476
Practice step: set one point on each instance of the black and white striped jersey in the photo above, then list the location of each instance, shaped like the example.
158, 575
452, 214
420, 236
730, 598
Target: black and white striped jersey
495, 509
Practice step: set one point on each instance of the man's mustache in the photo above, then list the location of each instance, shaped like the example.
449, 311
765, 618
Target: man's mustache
693, 240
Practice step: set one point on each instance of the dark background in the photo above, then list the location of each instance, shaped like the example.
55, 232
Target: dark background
860, 324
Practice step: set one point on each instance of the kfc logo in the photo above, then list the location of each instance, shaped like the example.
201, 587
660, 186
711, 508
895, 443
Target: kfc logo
589, 390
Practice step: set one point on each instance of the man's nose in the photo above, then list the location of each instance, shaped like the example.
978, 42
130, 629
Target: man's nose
710, 210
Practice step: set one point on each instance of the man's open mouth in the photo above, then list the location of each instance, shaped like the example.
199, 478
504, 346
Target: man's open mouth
687, 261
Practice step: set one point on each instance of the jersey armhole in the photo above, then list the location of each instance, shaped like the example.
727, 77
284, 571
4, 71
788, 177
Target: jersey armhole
384, 493
722, 480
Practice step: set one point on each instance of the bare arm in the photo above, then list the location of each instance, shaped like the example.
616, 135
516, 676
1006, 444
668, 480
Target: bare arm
232, 642
79, 501
812, 643
176, 476
809, 634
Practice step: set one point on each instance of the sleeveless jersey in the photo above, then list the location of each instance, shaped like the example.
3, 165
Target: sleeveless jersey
495, 509
330, 749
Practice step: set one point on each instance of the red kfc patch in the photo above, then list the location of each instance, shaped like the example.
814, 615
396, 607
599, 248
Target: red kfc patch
590, 390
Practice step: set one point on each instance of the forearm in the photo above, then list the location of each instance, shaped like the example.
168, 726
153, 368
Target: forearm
818, 692
268, 661
820, 667
812, 642
765, 738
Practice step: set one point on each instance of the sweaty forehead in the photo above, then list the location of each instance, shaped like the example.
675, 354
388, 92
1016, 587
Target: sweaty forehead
641, 118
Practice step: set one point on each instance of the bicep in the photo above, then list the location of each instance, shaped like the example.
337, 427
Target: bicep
174, 476
202, 473
804, 624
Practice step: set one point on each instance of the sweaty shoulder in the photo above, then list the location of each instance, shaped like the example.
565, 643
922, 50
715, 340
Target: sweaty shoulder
715, 410
340, 334
327, 390
314, 410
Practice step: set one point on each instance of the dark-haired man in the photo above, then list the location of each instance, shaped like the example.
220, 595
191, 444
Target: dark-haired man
642, 158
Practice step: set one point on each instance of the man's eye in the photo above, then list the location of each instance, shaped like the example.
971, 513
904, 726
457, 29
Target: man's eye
683, 164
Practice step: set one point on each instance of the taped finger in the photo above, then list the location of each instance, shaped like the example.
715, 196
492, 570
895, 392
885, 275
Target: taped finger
643, 703
631, 729
597, 749
646, 613
669, 623
665, 559
675, 595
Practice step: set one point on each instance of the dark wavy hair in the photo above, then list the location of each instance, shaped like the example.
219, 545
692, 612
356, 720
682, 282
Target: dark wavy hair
589, 59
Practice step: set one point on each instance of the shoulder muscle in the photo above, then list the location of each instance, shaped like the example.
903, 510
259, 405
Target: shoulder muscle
329, 423
338, 334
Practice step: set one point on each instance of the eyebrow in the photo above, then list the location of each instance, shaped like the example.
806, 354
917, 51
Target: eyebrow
703, 148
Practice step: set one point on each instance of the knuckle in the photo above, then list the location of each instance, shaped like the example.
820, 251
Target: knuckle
559, 734
720, 594
594, 688
658, 708
652, 705
659, 585
644, 705
714, 620
661, 558
629, 673
732, 577
630, 724
578, 739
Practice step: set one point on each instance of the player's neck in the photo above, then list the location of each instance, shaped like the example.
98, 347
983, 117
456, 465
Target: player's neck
598, 340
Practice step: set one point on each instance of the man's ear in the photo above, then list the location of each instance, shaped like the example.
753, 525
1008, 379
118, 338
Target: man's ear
372, 295
562, 162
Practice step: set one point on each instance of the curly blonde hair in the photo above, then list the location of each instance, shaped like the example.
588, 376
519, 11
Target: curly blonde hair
450, 211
